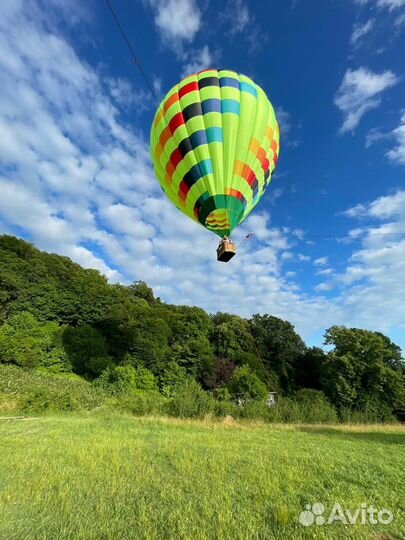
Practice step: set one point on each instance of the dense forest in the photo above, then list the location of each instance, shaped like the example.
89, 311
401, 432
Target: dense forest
57, 317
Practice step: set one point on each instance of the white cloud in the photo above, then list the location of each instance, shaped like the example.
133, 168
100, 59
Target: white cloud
385, 207
359, 92
303, 258
237, 16
397, 153
325, 272
177, 20
285, 123
126, 220
321, 261
76, 180
239, 22
373, 136
197, 60
360, 30
388, 207
355, 211
325, 286
390, 4
399, 21
126, 97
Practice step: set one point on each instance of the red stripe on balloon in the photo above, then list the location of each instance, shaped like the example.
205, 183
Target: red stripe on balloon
176, 157
176, 121
183, 191
265, 165
186, 89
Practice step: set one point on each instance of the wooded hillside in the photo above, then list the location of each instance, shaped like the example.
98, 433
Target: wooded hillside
59, 317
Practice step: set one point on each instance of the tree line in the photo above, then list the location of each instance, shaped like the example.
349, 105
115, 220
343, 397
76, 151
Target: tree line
58, 317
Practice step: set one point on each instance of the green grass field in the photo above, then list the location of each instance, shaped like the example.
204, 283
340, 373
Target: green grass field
117, 477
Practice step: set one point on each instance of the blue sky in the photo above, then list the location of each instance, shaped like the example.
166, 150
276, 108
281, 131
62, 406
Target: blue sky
76, 177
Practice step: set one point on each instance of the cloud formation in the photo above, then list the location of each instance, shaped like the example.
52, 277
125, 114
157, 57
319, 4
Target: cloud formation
361, 30
197, 60
360, 92
395, 154
76, 179
389, 4
178, 21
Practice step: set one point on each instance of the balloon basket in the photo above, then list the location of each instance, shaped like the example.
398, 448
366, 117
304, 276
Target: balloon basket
226, 250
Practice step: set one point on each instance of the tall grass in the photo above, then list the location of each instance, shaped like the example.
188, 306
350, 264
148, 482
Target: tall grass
28, 391
117, 477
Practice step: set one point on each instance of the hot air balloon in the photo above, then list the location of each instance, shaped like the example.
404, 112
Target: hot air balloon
214, 145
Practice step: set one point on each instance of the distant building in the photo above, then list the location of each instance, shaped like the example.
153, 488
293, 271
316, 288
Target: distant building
271, 400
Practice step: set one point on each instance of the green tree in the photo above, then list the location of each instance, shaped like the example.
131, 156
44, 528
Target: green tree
363, 367
140, 289
29, 343
171, 378
189, 343
280, 348
136, 329
87, 350
231, 336
310, 367
246, 384
127, 379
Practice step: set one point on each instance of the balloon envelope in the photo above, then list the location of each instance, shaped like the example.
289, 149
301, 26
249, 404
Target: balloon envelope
214, 147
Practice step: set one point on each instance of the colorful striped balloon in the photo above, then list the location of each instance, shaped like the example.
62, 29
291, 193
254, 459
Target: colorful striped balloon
214, 147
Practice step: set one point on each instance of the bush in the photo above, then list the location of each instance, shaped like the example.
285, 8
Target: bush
372, 413
142, 403
313, 407
34, 392
172, 378
307, 407
246, 384
222, 394
126, 379
190, 401
226, 408
26, 342
255, 410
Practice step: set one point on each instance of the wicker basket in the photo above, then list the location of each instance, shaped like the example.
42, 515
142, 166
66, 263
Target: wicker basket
226, 250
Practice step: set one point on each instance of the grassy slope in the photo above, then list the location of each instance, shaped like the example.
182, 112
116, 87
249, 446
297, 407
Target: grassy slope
118, 477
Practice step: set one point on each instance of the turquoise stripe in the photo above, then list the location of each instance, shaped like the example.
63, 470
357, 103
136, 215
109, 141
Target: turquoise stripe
230, 106
205, 167
246, 87
214, 134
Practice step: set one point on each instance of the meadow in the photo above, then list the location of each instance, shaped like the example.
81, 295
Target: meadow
112, 476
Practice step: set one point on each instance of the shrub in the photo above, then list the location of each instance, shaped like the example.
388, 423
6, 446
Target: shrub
172, 377
222, 394
28, 343
33, 392
246, 383
190, 401
308, 406
313, 407
284, 411
255, 409
142, 403
226, 408
373, 412
126, 380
